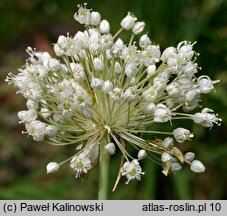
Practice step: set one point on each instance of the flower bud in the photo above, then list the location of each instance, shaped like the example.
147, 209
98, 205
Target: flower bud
149, 109
138, 28
175, 166
104, 27
52, 167
96, 83
197, 166
95, 18
107, 86
189, 156
151, 69
51, 131
110, 148
45, 112
32, 104
117, 68
27, 115
166, 157
168, 53
144, 41
128, 22
167, 142
98, 64
142, 154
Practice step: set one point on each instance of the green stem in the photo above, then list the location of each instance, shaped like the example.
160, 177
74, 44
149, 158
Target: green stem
103, 170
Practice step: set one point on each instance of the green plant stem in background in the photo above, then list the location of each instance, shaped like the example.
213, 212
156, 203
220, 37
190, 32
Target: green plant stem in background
103, 170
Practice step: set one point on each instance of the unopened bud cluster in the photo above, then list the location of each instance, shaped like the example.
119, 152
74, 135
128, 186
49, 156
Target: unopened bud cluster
100, 86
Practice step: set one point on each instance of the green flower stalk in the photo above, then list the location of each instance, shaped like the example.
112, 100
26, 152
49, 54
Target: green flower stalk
100, 94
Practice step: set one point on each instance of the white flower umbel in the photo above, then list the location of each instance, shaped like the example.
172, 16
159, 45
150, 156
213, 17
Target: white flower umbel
102, 94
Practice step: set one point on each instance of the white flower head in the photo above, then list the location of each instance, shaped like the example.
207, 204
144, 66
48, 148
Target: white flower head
103, 87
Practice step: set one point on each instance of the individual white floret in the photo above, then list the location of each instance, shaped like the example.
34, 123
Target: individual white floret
51, 130
206, 118
27, 115
80, 164
138, 27
131, 93
206, 84
144, 41
162, 113
182, 134
168, 53
83, 16
131, 170
78, 71
36, 129
116, 94
95, 18
128, 22
149, 108
32, 104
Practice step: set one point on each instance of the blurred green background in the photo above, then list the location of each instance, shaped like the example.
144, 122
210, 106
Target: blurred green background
37, 23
